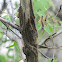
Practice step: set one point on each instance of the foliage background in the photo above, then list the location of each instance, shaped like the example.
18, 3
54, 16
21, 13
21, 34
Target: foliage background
41, 8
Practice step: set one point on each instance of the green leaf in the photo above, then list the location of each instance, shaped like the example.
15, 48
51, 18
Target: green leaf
49, 60
41, 6
38, 25
15, 44
9, 56
16, 4
3, 59
43, 32
1, 35
55, 60
49, 29
7, 17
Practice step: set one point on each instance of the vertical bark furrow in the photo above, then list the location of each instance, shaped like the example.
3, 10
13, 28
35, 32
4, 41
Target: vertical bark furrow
29, 32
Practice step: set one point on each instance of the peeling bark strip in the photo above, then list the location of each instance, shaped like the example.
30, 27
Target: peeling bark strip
29, 32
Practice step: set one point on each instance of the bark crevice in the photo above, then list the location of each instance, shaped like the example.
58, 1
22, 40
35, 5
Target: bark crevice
29, 32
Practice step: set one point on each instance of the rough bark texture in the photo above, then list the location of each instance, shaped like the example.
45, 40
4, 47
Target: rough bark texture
28, 30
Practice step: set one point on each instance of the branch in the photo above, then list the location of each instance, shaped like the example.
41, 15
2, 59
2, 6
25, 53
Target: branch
16, 39
17, 34
3, 6
54, 35
8, 34
43, 55
45, 47
13, 16
11, 24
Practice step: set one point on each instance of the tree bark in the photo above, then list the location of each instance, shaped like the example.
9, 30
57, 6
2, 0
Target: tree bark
28, 30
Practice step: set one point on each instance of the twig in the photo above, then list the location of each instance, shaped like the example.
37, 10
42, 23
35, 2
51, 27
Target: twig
3, 6
45, 47
15, 33
11, 30
54, 35
53, 54
41, 20
38, 51
13, 16
11, 24
9, 36
44, 55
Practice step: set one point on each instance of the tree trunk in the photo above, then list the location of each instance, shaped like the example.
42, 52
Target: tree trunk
28, 30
